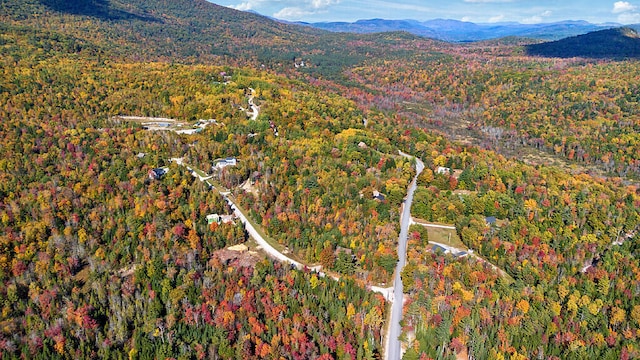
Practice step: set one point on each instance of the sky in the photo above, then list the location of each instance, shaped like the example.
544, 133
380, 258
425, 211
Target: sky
478, 11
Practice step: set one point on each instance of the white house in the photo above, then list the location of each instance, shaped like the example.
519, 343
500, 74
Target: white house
215, 218
221, 164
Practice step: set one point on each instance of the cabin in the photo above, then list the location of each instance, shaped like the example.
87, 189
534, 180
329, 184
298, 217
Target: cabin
490, 220
443, 170
158, 173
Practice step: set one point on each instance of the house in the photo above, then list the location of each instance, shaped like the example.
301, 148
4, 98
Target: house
344, 250
490, 220
378, 196
158, 173
221, 164
437, 248
224, 219
443, 170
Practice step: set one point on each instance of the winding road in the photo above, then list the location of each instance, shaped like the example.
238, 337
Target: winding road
394, 295
255, 109
392, 347
273, 252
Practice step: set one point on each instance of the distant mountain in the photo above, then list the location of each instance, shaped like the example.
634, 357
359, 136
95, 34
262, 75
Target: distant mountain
461, 31
619, 43
193, 31
171, 29
376, 26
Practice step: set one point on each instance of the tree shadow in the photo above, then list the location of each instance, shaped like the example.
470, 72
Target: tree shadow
100, 9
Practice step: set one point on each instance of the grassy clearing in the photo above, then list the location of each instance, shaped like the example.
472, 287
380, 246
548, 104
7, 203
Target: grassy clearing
445, 236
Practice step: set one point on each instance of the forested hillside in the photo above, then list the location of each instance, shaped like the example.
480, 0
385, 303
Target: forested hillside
100, 260
621, 43
575, 112
533, 162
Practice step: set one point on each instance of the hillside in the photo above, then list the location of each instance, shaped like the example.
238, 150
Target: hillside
197, 31
106, 245
171, 29
620, 43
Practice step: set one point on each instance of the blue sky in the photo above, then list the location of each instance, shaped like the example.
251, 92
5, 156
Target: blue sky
478, 11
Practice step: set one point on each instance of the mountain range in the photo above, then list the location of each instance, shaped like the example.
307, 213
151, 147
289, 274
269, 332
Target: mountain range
521, 172
462, 31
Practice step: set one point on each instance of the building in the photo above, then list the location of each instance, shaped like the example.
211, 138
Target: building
460, 254
218, 219
343, 250
437, 248
378, 196
443, 170
223, 163
158, 173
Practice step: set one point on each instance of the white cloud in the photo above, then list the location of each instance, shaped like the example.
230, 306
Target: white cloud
623, 7
291, 13
243, 6
496, 18
629, 18
304, 8
627, 12
320, 4
536, 19
248, 5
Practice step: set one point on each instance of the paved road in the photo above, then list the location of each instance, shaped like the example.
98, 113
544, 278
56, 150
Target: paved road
392, 348
259, 239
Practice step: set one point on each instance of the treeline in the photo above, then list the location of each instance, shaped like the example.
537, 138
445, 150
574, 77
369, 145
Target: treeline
583, 112
97, 259
566, 245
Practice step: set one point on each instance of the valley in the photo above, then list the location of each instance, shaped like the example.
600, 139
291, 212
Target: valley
366, 164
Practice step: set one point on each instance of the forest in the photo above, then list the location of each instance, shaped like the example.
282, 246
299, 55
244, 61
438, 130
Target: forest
100, 259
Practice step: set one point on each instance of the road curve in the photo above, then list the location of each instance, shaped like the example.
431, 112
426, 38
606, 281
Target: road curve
259, 239
392, 347
255, 109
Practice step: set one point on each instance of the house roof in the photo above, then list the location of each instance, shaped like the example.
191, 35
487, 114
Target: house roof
439, 248
159, 172
377, 195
